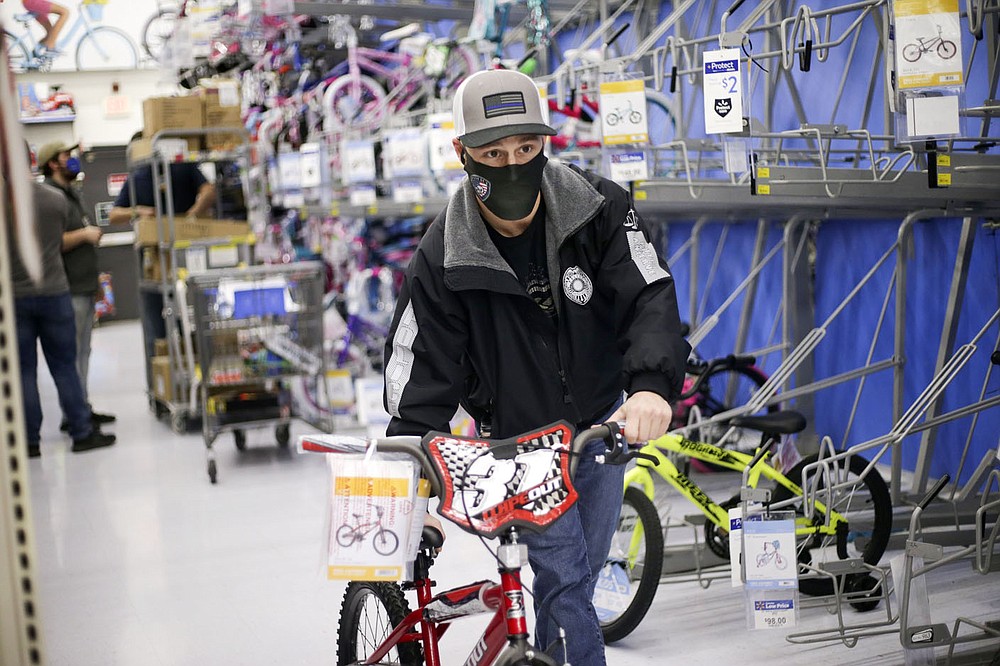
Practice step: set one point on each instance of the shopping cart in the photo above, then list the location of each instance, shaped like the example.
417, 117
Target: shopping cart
257, 329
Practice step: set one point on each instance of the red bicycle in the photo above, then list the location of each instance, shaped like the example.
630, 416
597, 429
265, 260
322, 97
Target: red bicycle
489, 488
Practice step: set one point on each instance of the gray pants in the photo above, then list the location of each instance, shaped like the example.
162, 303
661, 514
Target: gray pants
83, 312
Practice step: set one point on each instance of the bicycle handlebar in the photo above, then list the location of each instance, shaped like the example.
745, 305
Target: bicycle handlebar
933, 492
725, 362
617, 453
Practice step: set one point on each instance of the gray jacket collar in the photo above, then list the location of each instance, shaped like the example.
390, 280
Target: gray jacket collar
570, 202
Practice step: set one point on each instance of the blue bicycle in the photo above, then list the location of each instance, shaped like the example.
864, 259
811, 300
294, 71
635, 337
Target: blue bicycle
100, 47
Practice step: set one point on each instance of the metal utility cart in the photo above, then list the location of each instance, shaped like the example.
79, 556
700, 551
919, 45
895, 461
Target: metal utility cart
257, 329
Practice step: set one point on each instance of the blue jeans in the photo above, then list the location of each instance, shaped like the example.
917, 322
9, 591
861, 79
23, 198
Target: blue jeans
50, 320
568, 557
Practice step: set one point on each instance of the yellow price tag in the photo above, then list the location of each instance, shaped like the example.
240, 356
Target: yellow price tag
944, 179
764, 189
335, 210
944, 160
418, 209
373, 210
764, 172
640, 195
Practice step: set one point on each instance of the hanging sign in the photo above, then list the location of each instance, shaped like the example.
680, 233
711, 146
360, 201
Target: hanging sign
405, 153
928, 43
770, 567
723, 93
311, 165
623, 112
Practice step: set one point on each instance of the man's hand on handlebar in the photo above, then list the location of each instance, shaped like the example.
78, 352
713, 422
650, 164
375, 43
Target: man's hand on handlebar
646, 415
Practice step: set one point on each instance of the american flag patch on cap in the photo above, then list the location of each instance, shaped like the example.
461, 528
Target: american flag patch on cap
504, 104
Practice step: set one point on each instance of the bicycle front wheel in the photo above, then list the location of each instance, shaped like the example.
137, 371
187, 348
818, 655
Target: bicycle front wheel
386, 542
863, 501
157, 32
368, 614
17, 53
353, 104
106, 48
946, 49
628, 581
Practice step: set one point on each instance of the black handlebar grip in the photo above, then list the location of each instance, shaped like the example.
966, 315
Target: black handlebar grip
673, 88
995, 357
526, 57
734, 6
933, 492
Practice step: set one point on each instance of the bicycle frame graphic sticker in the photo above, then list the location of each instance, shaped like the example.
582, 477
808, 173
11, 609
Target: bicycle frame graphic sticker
928, 44
488, 487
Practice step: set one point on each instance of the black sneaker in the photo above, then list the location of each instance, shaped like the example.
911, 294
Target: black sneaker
101, 419
34, 450
95, 419
95, 440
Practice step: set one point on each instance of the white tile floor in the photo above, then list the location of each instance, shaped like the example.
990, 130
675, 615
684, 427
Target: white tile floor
143, 563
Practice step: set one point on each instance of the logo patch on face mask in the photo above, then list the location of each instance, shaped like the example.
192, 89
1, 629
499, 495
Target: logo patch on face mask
481, 186
577, 285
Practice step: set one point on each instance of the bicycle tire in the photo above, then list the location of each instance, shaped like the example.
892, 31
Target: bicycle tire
722, 390
641, 512
661, 120
868, 510
385, 542
946, 49
345, 535
159, 28
461, 63
911, 53
18, 58
368, 614
339, 111
106, 48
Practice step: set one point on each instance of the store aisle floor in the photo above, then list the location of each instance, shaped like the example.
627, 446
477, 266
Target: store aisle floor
142, 562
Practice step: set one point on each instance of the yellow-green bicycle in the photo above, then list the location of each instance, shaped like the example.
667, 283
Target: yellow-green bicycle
848, 514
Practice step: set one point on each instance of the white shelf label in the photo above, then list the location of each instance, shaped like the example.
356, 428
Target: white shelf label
629, 166
357, 161
405, 153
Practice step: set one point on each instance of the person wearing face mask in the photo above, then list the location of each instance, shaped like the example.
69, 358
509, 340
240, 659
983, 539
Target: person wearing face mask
80, 240
537, 296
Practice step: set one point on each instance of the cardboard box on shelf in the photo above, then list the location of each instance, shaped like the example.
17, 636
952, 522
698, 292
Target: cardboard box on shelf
221, 108
171, 149
198, 228
173, 114
162, 380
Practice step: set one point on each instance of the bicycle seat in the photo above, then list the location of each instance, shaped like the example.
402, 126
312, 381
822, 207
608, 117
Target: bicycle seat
430, 537
786, 422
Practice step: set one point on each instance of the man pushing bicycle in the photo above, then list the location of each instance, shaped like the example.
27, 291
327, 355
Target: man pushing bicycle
537, 296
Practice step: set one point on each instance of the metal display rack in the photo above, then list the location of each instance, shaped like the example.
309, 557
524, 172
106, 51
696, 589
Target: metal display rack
173, 390
257, 329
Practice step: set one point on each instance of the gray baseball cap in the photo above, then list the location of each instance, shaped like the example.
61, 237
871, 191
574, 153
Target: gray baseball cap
497, 103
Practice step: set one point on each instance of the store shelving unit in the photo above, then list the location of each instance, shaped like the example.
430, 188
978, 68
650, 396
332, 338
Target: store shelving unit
180, 248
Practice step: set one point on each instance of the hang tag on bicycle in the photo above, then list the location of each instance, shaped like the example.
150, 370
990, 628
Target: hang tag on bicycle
440, 131
770, 570
623, 112
372, 506
723, 91
404, 154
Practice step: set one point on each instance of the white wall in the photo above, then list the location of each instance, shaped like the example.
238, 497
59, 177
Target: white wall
90, 90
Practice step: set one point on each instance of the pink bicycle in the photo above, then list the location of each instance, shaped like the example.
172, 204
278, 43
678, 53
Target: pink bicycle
493, 488
355, 99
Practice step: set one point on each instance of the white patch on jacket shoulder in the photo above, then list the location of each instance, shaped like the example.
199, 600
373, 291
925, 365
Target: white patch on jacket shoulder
644, 257
577, 285
631, 220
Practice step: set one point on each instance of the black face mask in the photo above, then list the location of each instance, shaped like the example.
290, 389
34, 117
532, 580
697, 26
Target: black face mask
509, 192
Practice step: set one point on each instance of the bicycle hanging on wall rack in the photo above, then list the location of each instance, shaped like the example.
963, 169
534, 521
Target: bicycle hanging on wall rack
376, 624
100, 47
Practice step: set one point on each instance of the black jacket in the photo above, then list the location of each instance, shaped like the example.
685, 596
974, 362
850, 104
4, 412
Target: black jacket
463, 319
